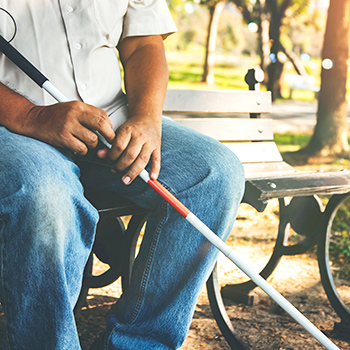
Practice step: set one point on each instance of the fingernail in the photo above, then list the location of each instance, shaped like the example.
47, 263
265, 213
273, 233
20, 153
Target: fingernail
153, 176
102, 153
126, 180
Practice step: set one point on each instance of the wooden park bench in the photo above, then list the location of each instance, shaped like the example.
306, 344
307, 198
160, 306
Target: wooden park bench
233, 117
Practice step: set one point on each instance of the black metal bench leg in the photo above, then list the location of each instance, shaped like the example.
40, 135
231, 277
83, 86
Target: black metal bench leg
327, 279
132, 233
220, 315
241, 292
290, 215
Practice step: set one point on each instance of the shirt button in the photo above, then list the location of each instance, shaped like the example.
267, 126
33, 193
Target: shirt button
83, 87
77, 46
69, 8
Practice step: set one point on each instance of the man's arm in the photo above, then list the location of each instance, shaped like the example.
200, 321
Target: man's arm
146, 75
68, 125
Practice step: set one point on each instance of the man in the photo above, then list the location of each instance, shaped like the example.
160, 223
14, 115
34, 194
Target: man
48, 150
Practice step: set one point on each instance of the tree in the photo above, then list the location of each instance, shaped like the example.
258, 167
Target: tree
330, 134
256, 12
270, 16
215, 8
278, 10
264, 37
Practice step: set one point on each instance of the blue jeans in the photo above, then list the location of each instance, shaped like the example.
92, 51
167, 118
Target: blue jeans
47, 230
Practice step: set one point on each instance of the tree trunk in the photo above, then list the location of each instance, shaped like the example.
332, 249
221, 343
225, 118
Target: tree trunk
264, 37
275, 68
274, 71
331, 131
293, 57
209, 62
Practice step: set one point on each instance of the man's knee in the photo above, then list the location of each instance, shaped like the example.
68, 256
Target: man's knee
226, 173
50, 212
194, 159
46, 213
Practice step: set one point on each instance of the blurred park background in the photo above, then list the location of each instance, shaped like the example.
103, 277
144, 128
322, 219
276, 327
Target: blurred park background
303, 48
301, 45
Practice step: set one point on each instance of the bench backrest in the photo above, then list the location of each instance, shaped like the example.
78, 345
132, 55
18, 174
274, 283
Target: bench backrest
222, 114
217, 101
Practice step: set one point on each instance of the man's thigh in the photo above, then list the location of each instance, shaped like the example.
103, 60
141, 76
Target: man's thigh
29, 163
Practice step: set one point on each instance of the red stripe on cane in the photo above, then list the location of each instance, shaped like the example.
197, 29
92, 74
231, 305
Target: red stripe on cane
173, 201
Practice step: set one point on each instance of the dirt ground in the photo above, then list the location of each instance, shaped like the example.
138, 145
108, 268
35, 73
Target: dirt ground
262, 326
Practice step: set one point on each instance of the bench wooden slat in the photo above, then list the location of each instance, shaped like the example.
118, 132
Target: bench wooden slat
300, 184
267, 169
229, 129
254, 152
217, 101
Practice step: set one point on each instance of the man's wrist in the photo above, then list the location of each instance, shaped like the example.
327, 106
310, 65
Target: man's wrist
14, 109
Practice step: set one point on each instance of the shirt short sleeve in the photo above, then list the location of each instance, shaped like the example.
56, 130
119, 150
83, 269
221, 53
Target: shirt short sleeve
148, 17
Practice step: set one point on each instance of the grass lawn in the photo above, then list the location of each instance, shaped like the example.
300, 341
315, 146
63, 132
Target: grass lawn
185, 72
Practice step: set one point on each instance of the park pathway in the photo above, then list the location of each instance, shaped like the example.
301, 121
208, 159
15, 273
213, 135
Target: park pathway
294, 116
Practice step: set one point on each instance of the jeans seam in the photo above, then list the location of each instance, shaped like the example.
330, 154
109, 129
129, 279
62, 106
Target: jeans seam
2, 276
145, 276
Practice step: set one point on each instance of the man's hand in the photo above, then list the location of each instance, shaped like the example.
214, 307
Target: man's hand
70, 125
137, 142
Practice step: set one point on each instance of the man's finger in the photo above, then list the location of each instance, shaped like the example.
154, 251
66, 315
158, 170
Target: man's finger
155, 164
96, 119
138, 165
119, 144
86, 136
129, 155
75, 145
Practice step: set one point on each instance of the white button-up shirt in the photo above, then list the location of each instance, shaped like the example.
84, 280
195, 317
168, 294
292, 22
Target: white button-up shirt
72, 42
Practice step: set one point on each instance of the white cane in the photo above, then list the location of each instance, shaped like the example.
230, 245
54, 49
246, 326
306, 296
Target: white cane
43, 82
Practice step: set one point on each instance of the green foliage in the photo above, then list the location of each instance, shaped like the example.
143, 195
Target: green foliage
288, 139
209, 3
339, 244
302, 30
233, 35
298, 7
249, 9
176, 5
